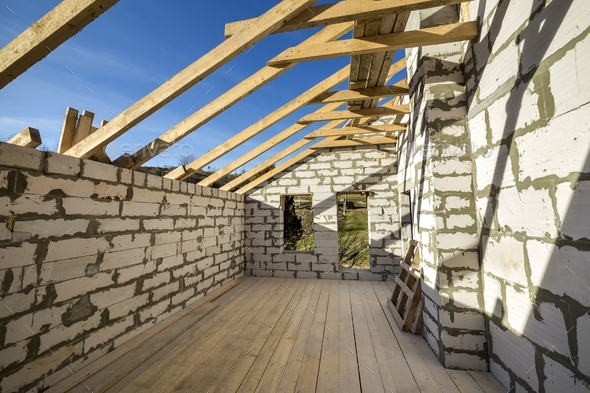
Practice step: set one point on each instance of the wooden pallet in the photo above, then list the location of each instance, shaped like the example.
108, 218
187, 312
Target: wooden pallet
406, 301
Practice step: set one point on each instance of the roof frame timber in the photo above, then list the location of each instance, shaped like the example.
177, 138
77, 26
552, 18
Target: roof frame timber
185, 79
394, 69
381, 43
344, 11
279, 156
361, 94
357, 114
53, 29
223, 102
183, 172
346, 131
356, 142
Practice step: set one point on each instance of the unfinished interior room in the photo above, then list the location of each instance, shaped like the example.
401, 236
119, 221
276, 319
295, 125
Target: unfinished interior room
376, 196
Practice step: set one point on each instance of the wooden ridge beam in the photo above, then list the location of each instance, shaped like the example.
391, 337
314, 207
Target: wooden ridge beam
83, 127
343, 115
344, 11
382, 43
183, 172
185, 79
49, 32
345, 131
275, 140
361, 94
223, 102
29, 137
355, 142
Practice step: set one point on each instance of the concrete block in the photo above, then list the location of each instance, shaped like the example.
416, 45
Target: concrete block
561, 379
68, 269
108, 191
492, 294
174, 210
163, 291
158, 224
44, 365
505, 259
130, 305
156, 280
182, 223
529, 210
104, 299
126, 176
43, 229
134, 272
124, 258
154, 311
139, 179
167, 237
455, 202
89, 207
170, 262
453, 184
583, 338
105, 334
21, 157
128, 241
79, 286
549, 331
519, 308
464, 361
74, 248
25, 204
16, 302
517, 353
573, 207
64, 334
163, 250
62, 165
112, 225
550, 269
457, 240
99, 171
545, 152
13, 354
153, 181
138, 209
147, 196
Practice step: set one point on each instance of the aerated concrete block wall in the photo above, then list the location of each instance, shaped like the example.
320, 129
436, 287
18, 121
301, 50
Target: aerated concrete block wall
92, 255
324, 175
528, 90
435, 169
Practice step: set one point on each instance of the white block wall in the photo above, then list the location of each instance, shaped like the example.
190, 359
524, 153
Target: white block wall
324, 175
92, 255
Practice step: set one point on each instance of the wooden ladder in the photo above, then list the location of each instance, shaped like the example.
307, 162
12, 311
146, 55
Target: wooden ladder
406, 301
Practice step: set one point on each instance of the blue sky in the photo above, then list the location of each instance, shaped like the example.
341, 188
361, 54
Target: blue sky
135, 47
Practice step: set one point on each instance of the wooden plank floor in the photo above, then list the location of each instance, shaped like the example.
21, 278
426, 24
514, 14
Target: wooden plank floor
282, 335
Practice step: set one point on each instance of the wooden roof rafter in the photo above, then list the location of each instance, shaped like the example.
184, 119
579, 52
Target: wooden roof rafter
394, 69
185, 171
223, 102
188, 77
344, 11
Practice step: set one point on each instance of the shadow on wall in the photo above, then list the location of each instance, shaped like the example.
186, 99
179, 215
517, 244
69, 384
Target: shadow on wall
539, 323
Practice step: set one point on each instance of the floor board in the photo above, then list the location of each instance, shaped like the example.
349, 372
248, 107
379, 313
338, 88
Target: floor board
285, 335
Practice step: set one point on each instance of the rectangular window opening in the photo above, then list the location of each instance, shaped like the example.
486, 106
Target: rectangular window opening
298, 223
353, 231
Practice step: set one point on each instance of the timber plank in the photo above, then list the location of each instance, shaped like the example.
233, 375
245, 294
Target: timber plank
308, 374
270, 379
178, 365
329, 353
293, 369
29, 137
443, 34
227, 373
365, 348
348, 367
